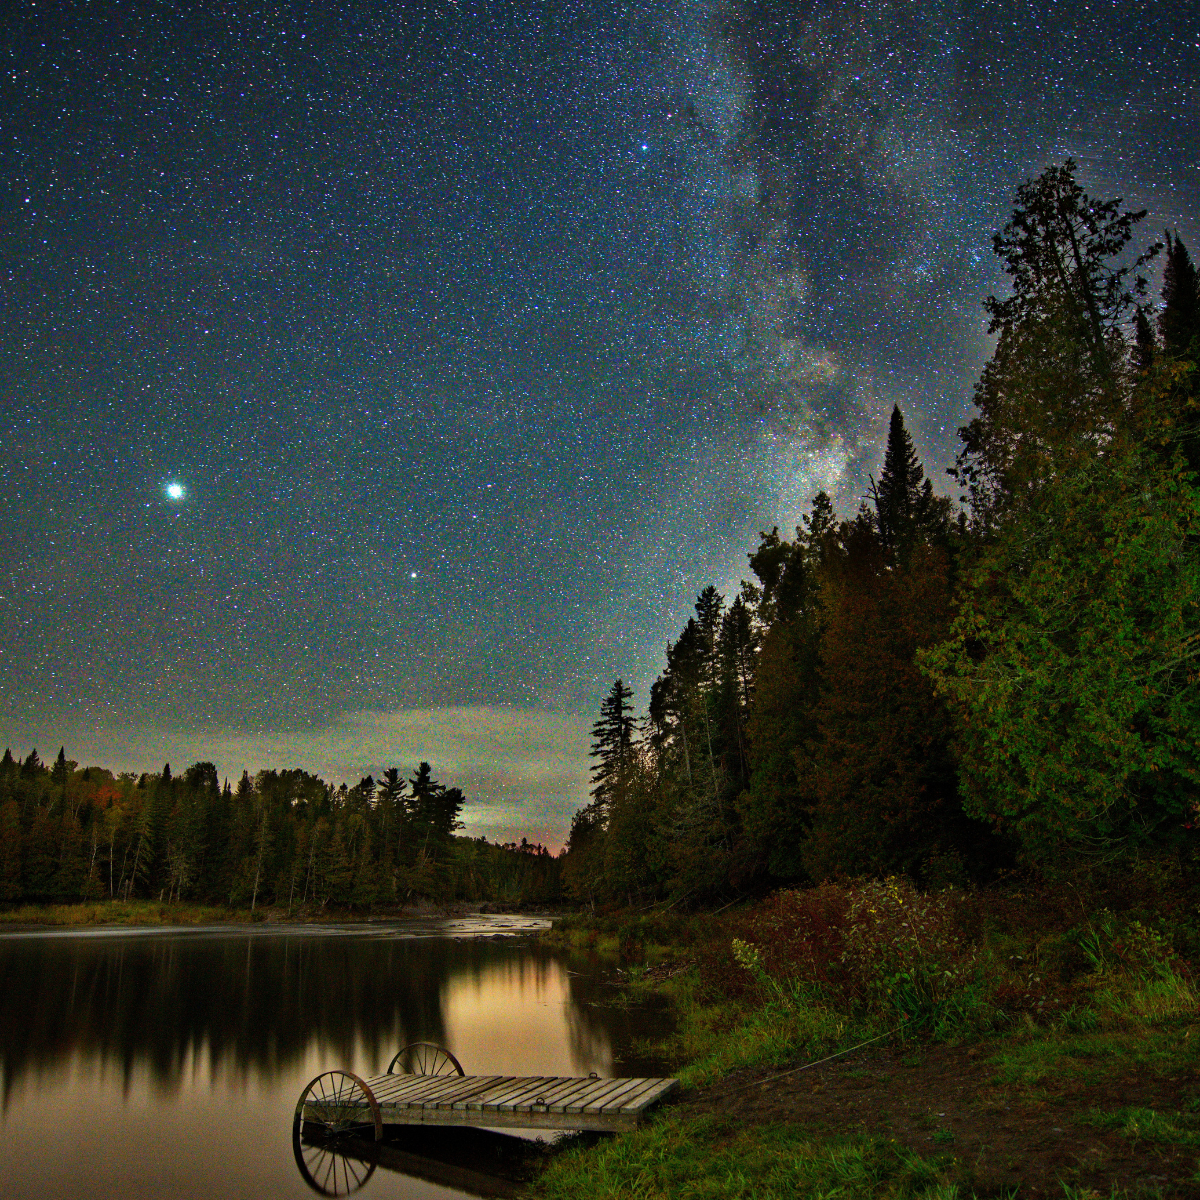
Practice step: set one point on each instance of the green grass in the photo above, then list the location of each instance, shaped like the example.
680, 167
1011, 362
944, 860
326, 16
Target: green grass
1055, 1053
711, 1159
713, 1037
1144, 1124
120, 912
577, 939
1115, 1020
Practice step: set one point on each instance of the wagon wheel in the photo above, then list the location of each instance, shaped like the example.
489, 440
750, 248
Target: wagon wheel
338, 1102
326, 1166
424, 1058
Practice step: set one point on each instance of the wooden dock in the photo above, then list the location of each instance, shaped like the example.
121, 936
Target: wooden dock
494, 1101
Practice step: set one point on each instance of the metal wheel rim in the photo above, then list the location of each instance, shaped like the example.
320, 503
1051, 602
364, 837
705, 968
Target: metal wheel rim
339, 1090
325, 1170
425, 1058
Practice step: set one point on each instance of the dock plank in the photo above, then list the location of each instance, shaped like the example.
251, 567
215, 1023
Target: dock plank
435, 1096
526, 1087
393, 1087
631, 1099
540, 1098
560, 1091
460, 1096
506, 1101
628, 1087
565, 1097
504, 1085
590, 1097
387, 1085
652, 1096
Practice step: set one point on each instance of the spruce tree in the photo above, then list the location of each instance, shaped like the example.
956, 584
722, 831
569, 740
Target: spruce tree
1179, 321
58, 775
1141, 356
904, 500
612, 745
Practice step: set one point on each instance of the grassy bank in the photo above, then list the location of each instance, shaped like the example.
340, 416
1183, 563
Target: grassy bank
153, 912
724, 1158
1037, 1040
122, 912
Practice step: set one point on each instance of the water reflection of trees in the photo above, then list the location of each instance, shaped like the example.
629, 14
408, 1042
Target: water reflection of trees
597, 1018
242, 1003
255, 1003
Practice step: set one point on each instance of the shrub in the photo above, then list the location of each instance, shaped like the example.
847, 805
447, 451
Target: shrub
879, 949
903, 952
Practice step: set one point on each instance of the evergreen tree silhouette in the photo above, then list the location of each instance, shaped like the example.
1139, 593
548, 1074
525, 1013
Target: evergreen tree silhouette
1144, 346
904, 499
613, 741
1179, 321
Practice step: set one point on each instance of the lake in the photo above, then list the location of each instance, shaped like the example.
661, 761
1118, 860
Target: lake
168, 1062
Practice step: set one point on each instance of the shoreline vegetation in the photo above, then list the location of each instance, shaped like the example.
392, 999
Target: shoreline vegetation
153, 912
1026, 1039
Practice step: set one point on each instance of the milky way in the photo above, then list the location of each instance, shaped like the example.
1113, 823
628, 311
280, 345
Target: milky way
401, 357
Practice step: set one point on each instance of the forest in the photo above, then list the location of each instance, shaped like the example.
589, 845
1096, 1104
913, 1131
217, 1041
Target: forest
937, 690
282, 838
949, 691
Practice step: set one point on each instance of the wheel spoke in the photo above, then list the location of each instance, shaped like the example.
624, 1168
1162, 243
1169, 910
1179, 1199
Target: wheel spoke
424, 1058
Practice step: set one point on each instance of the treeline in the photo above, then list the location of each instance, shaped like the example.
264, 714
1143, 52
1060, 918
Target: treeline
943, 692
283, 838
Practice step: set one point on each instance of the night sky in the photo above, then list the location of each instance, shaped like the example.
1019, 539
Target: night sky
382, 380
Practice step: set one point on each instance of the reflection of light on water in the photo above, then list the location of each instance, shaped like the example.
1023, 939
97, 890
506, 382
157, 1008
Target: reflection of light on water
515, 1018
169, 1065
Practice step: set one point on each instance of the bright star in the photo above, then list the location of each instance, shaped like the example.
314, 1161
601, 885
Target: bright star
175, 491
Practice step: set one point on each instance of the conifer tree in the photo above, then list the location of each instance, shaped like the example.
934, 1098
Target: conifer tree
10, 851
612, 746
774, 809
1179, 321
1144, 347
710, 607
58, 776
1070, 661
1058, 250
904, 499
1056, 385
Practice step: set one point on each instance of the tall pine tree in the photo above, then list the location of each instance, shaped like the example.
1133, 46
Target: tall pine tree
1179, 321
905, 506
612, 746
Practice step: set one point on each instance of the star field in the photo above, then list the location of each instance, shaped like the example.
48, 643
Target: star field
424, 356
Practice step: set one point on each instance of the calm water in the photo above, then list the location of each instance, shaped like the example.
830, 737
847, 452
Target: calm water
152, 1063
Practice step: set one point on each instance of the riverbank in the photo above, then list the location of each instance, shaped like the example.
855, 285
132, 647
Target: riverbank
151, 912
1063, 1060
120, 912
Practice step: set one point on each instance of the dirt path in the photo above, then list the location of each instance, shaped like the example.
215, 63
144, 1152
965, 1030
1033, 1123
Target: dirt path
947, 1100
